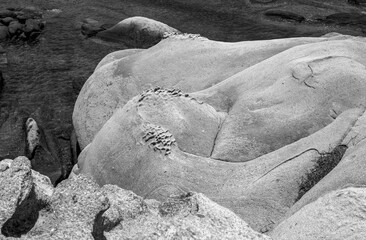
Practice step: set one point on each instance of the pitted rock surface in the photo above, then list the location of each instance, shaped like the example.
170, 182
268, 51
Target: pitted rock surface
158, 138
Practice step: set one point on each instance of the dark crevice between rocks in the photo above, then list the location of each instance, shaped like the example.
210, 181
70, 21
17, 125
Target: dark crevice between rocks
99, 227
324, 164
24, 217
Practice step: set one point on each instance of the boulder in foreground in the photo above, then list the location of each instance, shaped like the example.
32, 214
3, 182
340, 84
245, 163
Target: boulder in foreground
79, 209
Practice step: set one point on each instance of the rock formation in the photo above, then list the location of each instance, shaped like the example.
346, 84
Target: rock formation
30, 208
137, 32
91, 27
23, 24
258, 127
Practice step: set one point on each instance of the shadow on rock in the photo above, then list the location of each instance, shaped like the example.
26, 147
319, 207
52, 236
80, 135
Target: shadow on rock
24, 217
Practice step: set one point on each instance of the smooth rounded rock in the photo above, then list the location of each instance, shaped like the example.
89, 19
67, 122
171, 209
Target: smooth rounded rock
138, 32
176, 62
7, 20
282, 113
15, 27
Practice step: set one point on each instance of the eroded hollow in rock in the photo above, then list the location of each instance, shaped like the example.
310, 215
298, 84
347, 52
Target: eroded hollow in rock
324, 164
24, 217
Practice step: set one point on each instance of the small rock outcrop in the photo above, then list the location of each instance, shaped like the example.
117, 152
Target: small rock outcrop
91, 27
137, 32
33, 137
79, 209
40, 149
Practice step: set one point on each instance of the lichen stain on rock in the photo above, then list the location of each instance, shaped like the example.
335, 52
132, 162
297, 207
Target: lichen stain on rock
324, 165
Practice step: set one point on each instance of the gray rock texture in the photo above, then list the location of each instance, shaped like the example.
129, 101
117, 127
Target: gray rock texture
258, 128
337, 215
31, 208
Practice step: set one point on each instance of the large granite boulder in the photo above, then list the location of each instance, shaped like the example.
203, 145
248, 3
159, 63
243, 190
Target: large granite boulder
246, 137
138, 32
187, 62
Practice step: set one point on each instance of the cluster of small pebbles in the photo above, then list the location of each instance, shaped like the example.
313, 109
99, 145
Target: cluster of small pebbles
158, 138
24, 24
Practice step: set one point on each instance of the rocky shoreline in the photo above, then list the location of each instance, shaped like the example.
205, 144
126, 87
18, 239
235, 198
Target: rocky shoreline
180, 136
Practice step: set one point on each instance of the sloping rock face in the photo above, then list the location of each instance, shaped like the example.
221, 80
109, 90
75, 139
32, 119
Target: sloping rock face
257, 126
79, 209
138, 32
337, 215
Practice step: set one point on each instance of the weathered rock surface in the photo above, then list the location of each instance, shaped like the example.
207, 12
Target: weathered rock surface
16, 185
286, 112
191, 216
137, 32
337, 215
176, 62
79, 209
122, 79
350, 171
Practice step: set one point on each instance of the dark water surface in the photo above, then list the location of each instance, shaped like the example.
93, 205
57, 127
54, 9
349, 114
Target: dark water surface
42, 81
